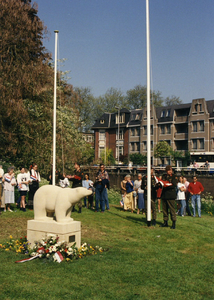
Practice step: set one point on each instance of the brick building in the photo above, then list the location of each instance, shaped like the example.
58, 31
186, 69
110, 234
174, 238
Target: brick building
184, 127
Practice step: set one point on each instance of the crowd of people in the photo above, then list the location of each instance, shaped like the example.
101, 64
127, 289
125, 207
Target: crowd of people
27, 182
171, 191
168, 189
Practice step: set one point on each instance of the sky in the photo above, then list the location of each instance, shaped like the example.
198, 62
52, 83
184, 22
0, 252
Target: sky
104, 43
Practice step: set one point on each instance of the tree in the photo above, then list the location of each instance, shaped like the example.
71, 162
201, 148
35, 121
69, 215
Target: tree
137, 97
107, 157
26, 99
85, 104
162, 149
138, 159
172, 100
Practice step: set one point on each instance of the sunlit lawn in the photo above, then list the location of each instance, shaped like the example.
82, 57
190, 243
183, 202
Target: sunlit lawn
142, 263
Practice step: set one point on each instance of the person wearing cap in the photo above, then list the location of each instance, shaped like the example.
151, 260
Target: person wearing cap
77, 181
169, 196
129, 200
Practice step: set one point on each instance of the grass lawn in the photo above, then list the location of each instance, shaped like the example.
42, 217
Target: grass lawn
142, 263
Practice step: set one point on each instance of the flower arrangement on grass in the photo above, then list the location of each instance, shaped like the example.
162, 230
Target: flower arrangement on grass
20, 245
51, 248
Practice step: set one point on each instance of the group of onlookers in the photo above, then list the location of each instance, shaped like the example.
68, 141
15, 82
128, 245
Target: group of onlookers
27, 181
167, 189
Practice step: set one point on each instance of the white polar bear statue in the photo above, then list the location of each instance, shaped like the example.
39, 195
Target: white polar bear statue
49, 199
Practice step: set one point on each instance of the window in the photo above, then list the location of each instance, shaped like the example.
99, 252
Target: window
101, 149
196, 107
137, 131
120, 135
89, 138
201, 125
162, 129
168, 113
194, 127
200, 107
145, 130
120, 151
168, 128
121, 119
102, 135
163, 114
131, 146
194, 144
137, 146
151, 129
133, 117
201, 143
102, 121
137, 117
144, 146
151, 145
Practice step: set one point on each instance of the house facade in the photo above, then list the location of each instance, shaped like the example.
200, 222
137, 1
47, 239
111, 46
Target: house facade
185, 127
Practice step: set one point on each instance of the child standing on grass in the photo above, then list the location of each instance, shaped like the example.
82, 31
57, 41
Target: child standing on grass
9, 183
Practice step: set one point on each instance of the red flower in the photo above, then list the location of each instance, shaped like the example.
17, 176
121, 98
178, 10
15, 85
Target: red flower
47, 251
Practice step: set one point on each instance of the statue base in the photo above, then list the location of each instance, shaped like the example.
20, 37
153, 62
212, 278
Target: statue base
70, 232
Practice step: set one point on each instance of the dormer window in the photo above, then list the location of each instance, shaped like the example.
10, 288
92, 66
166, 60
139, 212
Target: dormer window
168, 113
163, 114
121, 118
137, 117
102, 121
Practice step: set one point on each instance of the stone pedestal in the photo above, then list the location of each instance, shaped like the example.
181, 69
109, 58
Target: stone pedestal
69, 232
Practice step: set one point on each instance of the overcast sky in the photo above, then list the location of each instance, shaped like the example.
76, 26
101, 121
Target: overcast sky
104, 42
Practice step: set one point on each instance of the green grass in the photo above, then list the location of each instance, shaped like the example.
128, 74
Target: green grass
142, 263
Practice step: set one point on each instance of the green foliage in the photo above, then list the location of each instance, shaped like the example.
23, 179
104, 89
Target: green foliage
207, 204
162, 149
172, 100
137, 97
107, 157
179, 155
138, 159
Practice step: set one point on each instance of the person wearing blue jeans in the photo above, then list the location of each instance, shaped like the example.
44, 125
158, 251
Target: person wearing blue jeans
99, 198
196, 199
102, 183
196, 188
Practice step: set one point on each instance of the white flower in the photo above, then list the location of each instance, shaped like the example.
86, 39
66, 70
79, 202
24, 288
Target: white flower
47, 255
40, 255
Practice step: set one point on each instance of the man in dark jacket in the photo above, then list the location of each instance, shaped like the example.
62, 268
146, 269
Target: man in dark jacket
77, 181
169, 196
154, 188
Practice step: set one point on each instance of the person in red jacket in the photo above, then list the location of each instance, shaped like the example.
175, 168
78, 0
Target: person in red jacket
196, 188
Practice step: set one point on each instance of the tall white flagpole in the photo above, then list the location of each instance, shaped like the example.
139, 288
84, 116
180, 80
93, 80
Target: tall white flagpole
54, 111
148, 118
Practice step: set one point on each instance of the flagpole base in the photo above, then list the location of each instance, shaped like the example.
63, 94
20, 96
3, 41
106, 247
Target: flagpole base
148, 223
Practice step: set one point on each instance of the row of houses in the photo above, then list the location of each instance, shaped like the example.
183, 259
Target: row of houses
185, 127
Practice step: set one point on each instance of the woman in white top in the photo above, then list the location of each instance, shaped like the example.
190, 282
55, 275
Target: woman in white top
9, 183
23, 180
88, 184
181, 194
